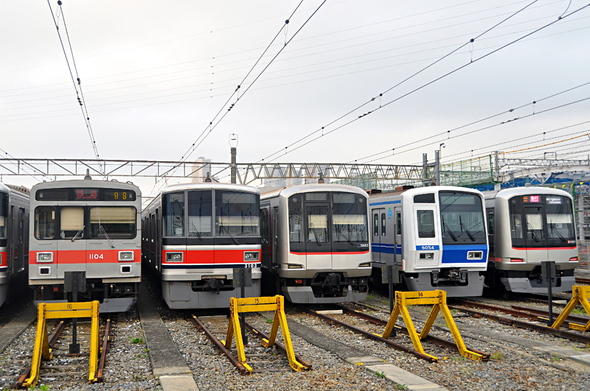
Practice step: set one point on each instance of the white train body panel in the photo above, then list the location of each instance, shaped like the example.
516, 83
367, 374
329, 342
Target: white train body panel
434, 237
89, 226
14, 240
316, 235
196, 235
528, 226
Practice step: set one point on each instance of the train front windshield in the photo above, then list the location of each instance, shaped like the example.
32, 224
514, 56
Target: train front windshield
236, 214
3, 212
541, 221
462, 218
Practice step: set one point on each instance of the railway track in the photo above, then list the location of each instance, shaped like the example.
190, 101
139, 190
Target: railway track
372, 327
66, 367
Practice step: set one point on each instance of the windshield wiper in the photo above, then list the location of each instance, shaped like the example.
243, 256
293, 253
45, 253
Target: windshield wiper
465, 230
449, 231
197, 231
557, 232
78, 233
229, 233
532, 232
104, 232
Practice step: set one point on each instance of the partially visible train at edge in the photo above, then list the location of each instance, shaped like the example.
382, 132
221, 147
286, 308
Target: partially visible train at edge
433, 238
315, 243
14, 237
527, 226
89, 229
195, 235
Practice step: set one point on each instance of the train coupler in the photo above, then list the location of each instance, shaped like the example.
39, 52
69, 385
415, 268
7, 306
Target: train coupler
439, 299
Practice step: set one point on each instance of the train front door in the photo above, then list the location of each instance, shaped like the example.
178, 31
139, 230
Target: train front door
72, 243
317, 239
536, 239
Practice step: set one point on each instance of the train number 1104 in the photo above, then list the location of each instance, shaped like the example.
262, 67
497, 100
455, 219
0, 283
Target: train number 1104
95, 256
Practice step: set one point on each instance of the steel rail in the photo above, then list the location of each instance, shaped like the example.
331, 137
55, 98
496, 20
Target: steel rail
280, 347
370, 335
219, 345
429, 338
57, 332
524, 325
106, 341
571, 318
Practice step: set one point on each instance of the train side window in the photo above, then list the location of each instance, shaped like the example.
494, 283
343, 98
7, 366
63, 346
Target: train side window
3, 212
375, 224
71, 222
173, 211
264, 228
295, 220
425, 223
398, 218
383, 221
491, 223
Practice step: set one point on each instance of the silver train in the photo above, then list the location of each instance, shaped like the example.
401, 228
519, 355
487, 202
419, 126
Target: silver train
14, 236
195, 235
433, 237
90, 227
527, 226
315, 244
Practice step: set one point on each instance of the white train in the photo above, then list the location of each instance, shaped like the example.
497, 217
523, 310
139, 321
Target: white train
434, 237
195, 235
527, 226
14, 236
315, 244
90, 227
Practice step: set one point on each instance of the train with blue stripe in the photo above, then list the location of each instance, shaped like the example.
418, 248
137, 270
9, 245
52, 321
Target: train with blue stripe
433, 237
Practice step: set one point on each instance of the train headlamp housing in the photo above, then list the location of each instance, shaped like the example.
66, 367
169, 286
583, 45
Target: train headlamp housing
45, 257
365, 264
174, 257
251, 256
426, 255
126, 256
294, 266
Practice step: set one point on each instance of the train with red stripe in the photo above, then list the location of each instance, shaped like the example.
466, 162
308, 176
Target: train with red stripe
196, 236
14, 237
315, 243
85, 242
528, 226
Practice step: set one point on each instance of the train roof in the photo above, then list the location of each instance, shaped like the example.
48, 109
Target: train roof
86, 183
209, 186
6, 188
422, 190
313, 187
516, 191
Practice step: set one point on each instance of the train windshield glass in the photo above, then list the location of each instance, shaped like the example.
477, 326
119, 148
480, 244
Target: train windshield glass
462, 218
349, 218
560, 219
200, 204
173, 213
236, 213
113, 222
3, 211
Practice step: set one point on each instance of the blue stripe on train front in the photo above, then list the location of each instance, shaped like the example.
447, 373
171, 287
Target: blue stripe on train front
384, 248
458, 253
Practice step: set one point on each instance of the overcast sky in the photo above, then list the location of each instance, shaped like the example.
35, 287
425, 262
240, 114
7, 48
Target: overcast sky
155, 74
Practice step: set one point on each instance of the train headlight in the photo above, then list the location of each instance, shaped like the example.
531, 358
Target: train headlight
44, 257
365, 264
426, 255
294, 266
251, 256
475, 255
173, 257
126, 256
573, 259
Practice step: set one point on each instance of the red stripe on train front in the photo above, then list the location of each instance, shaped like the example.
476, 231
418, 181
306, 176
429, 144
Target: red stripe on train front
218, 256
3, 258
332, 253
84, 256
543, 248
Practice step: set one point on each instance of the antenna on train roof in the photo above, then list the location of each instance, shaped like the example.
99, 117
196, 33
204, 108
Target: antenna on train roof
87, 177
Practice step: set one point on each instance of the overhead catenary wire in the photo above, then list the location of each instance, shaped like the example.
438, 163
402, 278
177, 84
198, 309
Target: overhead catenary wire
75, 78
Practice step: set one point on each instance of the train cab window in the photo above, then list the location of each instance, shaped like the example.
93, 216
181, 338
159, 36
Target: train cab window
45, 222
560, 219
71, 223
199, 213
491, 223
425, 223
317, 224
113, 222
173, 213
383, 225
534, 223
295, 220
237, 213
349, 218
3, 212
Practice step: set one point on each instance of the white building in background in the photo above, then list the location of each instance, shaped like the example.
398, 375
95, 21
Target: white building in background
200, 169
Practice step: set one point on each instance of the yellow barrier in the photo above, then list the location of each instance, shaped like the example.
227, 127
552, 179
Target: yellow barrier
63, 311
580, 295
259, 304
439, 299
